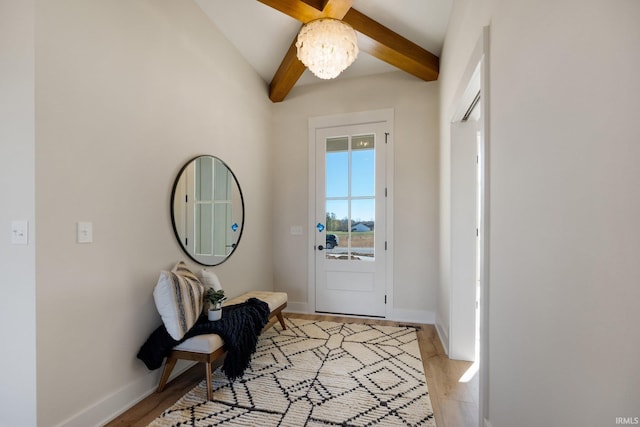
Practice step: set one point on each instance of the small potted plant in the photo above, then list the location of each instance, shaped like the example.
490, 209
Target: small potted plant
215, 298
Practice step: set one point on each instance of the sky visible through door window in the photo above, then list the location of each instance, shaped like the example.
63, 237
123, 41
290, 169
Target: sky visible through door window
362, 183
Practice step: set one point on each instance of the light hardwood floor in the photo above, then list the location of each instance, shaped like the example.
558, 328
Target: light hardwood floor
455, 403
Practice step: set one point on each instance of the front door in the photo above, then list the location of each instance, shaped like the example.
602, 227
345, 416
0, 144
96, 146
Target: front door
350, 226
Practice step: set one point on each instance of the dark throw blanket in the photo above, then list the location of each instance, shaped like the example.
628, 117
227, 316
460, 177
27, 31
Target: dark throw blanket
239, 328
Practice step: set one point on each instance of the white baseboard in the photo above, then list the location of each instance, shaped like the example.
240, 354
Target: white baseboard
444, 337
116, 403
413, 316
398, 315
297, 307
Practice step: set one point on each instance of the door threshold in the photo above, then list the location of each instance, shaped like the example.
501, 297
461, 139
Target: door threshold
351, 315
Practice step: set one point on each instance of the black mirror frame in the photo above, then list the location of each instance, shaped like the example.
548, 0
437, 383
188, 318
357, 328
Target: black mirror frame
173, 219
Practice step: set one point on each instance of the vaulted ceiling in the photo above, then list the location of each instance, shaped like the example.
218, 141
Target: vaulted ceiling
392, 34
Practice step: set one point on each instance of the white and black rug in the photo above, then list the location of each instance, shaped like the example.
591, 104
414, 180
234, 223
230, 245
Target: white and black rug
318, 373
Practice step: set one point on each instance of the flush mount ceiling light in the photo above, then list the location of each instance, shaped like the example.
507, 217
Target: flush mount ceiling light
327, 47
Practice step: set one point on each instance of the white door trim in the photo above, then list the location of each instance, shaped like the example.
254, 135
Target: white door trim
363, 117
479, 63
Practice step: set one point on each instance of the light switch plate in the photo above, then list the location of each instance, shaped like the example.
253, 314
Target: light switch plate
85, 232
19, 232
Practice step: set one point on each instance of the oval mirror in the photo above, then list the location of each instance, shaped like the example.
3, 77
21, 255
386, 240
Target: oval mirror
207, 210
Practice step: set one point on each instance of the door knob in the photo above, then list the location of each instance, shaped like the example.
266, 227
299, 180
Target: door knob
320, 247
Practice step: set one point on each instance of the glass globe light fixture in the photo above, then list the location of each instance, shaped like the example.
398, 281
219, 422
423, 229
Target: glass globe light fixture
327, 47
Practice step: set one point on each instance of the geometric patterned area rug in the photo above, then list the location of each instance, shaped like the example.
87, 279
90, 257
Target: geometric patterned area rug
317, 373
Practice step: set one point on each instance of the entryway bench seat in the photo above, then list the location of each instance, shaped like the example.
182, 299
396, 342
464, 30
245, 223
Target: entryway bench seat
208, 348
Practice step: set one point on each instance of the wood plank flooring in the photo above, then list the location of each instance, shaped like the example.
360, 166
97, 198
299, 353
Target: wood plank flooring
455, 403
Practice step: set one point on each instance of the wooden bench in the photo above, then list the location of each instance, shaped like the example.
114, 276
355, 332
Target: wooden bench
209, 347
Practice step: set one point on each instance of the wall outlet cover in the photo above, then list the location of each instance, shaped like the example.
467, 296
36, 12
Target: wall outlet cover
85, 232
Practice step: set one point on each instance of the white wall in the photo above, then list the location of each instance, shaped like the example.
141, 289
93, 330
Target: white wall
564, 205
415, 106
126, 92
17, 192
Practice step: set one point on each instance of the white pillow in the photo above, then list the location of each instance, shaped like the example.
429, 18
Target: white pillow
179, 299
210, 279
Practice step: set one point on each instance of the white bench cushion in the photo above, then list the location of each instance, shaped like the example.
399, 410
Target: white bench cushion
208, 343
274, 299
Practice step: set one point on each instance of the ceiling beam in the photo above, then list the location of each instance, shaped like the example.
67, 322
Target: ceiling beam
289, 72
376, 40
308, 10
291, 69
389, 46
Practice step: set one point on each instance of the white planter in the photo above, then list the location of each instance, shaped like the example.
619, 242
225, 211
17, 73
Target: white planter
214, 314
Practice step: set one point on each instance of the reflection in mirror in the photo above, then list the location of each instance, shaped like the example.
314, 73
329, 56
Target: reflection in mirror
207, 210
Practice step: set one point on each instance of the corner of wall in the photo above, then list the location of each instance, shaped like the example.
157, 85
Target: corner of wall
426, 317
18, 388
443, 335
298, 307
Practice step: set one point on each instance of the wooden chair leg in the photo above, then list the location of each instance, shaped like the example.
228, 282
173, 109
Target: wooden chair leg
168, 367
281, 320
208, 374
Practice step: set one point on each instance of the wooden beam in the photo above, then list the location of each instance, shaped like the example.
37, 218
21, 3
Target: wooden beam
291, 69
382, 43
336, 9
308, 10
288, 73
318, 4
376, 40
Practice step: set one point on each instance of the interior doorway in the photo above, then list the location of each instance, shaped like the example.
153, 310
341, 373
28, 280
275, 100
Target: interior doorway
469, 297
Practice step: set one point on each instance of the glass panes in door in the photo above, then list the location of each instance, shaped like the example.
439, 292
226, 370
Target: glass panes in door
350, 197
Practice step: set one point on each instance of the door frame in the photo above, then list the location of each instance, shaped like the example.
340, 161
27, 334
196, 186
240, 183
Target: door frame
478, 68
348, 119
